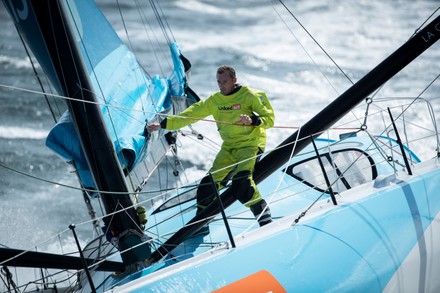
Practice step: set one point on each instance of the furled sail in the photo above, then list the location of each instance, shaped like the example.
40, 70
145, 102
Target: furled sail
109, 97
126, 94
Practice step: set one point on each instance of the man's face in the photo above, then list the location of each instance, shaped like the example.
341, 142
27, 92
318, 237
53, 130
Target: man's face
226, 84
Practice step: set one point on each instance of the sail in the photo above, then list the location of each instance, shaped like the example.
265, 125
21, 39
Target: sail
127, 95
109, 97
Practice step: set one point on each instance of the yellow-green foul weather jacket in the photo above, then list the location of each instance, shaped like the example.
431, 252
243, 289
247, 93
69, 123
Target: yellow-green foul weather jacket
227, 110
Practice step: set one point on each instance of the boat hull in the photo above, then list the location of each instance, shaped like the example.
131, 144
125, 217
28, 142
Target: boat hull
375, 240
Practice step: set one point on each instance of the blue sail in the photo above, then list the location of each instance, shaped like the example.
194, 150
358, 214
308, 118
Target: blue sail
128, 96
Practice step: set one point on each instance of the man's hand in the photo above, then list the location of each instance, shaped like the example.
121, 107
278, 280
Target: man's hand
153, 127
244, 120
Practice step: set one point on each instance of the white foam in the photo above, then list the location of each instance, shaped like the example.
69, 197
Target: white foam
13, 132
17, 62
200, 7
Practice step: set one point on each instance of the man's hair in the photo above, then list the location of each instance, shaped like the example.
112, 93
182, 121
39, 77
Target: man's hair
226, 68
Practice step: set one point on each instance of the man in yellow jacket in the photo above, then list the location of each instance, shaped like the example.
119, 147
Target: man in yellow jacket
242, 115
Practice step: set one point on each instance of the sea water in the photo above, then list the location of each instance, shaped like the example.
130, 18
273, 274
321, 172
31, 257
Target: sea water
261, 39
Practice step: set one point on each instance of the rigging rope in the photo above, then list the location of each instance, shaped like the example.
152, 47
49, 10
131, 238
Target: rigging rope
165, 29
36, 75
149, 112
161, 21
9, 279
316, 42
370, 99
426, 20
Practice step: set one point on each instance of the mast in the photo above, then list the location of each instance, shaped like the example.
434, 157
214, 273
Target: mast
45, 27
314, 127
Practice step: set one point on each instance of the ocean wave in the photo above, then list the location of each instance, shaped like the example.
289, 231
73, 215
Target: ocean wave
200, 7
17, 62
13, 132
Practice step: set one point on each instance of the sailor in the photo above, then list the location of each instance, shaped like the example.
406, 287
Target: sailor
242, 115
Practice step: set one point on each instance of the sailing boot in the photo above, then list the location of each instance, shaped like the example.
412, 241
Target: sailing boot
261, 212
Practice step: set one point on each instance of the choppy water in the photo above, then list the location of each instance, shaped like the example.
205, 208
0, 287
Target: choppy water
250, 35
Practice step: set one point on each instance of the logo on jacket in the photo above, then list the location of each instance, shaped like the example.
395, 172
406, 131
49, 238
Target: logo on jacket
230, 108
